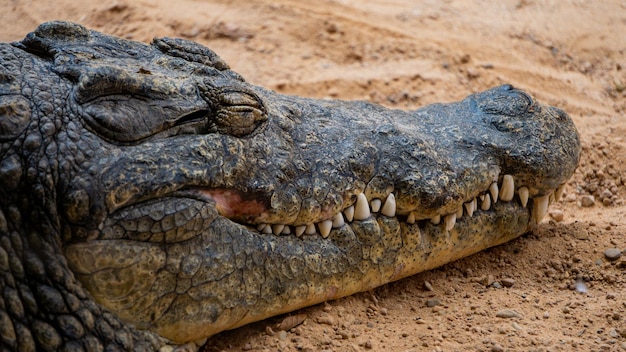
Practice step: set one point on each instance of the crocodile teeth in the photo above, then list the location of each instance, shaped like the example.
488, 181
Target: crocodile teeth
361, 209
486, 203
277, 229
300, 230
540, 207
507, 191
411, 218
349, 213
449, 221
325, 227
493, 189
559, 192
375, 205
338, 221
551, 199
470, 207
310, 229
389, 208
523, 196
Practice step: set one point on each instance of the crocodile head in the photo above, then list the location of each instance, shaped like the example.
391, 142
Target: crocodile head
187, 201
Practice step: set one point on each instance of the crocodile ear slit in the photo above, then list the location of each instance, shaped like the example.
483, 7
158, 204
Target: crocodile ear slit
190, 51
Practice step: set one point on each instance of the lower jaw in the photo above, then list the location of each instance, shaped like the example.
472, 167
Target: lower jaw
365, 254
246, 276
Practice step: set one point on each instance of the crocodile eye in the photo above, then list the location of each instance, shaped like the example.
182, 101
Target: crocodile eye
128, 107
237, 112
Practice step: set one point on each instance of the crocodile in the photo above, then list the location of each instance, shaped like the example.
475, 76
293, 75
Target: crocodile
150, 197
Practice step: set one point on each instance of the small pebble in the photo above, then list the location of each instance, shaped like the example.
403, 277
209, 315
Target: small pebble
606, 194
428, 286
486, 280
508, 313
612, 254
497, 348
556, 214
432, 302
507, 282
587, 201
326, 320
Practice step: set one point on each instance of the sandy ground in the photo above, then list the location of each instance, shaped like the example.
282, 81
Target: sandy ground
555, 285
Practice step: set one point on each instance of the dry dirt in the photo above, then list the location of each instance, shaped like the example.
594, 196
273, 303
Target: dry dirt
562, 292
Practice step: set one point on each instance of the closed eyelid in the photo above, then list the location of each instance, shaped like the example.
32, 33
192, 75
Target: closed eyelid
109, 80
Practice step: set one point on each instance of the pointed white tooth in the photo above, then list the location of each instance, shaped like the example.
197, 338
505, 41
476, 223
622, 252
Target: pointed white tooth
310, 229
375, 205
470, 207
459, 213
482, 197
540, 207
267, 229
286, 230
325, 227
338, 221
300, 230
523, 194
449, 221
507, 191
436, 220
349, 213
493, 189
411, 218
389, 208
559, 193
486, 203
260, 227
475, 204
551, 198
277, 228
361, 209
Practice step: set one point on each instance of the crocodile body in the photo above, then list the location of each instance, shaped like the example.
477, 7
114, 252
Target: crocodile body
150, 196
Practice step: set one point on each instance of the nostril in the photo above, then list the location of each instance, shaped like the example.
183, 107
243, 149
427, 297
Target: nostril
559, 114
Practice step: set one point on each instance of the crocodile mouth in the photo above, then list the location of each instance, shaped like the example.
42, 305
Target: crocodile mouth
186, 213
244, 209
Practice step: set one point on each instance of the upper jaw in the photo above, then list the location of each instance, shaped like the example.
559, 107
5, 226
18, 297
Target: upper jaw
348, 188
503, 189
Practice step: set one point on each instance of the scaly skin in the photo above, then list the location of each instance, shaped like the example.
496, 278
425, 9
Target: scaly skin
149, 195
